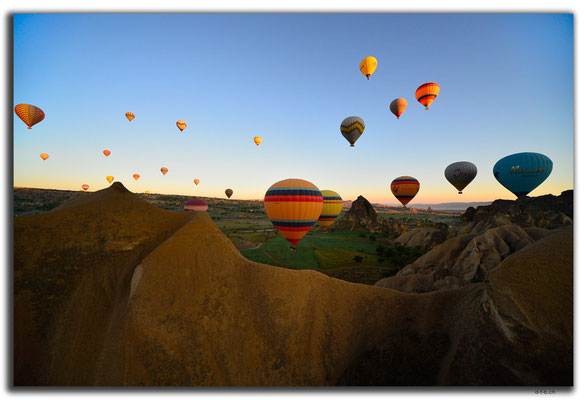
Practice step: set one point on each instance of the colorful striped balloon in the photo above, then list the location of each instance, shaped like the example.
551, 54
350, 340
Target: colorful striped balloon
427, 93
164, 170
405, 188
29, 114
85, 187
130, 116
331, 207
352, 128
293, 206
398, 106
195, 205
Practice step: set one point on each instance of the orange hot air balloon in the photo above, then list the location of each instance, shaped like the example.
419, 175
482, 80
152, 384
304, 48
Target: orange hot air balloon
109, 178
44, 156
293, 206
257, 140
164, 170
181, 125
228, 192
405, 188
130, 116
136, 176
196, 181
106, 152
29, 114
85, 187
398, 106
427, 93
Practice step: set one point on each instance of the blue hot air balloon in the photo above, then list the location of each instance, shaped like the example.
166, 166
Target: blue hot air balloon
522, 172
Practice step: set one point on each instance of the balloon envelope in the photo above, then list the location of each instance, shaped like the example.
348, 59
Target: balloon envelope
293, 206
196, 181
136, 176
398, 106
29, 114
257, 140
164, 170
460, 174
181, 125
195, 205
368, 66
331, 207
427, 93
44, 156
521, 173
130, 116
109, 178
106, 152
228, 193
405, 188
85, 187
352, 128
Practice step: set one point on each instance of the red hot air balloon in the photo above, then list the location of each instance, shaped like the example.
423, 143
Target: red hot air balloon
106, 152
85, 187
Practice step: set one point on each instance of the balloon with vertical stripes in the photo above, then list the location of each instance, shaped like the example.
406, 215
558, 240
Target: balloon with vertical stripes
29, 114
405, 188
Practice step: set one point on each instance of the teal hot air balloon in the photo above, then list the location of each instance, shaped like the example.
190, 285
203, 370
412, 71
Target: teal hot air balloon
522, 172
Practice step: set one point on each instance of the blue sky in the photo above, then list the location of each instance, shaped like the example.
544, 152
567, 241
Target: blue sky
506, 86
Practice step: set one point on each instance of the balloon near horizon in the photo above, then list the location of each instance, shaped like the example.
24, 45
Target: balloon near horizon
136, 176
331, 208
44, 156
405, 188
293, 206
109, 178
195, 205
85, 187
460, 174
521, 173
228, 193
164, 170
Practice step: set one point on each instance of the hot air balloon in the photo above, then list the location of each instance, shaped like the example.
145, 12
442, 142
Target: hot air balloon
164, 170
331, 207
228, 193
405, 188
427, 93
136, 176
44, 156
352, 128
196, 181
257, 140
109, 178
130, 116
368, 66
460, 174
293, 206
181, 125
147, 192
106, 152
85, 187
195, 205
521, 173
29, 114
398, 106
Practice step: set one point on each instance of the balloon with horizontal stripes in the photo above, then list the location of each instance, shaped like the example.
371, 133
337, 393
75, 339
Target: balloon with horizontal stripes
405, 188
352, 128
228, 192
368, 66
85, 187
130, 116
29, 114
427, 93
293, 206
398, 106
331, 207
521, 173
460, 174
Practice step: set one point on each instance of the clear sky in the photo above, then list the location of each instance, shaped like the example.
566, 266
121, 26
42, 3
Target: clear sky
506, 86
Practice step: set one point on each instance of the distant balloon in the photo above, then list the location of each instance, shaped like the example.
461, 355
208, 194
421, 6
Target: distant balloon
195, 205
130, 116
181, 125
136, 176
460, 174
164, 170
352, 128
405, 188
196, 181
427, 93
109, 178
257, 140
147, 192
44, 156
331, 207
368, 66
398, 106
293, 206
85, 187
106, 152
228, 193
521, 173
29, 114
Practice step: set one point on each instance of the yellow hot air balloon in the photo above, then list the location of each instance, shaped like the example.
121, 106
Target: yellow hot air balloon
257, 140
44, 156
405, 188
398, 106
29, 114
130, 116
332, 206
147, 192
196, 181
293, 206
109, 178
427, 93
85, 187
164, 170
106, 152
181, 125
368, 66
136, 176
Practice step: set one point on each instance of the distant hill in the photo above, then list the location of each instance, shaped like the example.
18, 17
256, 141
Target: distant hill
451, 206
